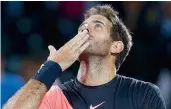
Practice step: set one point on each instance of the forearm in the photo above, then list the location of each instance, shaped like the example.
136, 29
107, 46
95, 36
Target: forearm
28, 97
31, 94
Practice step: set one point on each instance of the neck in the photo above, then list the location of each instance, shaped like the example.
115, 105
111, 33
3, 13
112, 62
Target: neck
96, 70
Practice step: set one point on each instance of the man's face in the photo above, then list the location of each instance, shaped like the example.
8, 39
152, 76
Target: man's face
99, 30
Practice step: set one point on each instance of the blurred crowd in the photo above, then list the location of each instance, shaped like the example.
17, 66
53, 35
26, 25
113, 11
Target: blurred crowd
27, 28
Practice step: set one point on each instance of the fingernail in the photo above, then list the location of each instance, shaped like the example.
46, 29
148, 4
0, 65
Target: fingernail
85, 30
86, 25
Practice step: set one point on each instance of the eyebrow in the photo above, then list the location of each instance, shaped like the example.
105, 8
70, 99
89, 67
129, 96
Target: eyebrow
97, 21
94, 21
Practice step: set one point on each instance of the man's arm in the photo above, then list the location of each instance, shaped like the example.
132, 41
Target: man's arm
28, 97
31, 94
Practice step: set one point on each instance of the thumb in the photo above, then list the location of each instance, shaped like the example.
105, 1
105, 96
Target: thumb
52, 49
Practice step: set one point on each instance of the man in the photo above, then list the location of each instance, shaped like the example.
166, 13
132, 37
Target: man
101, 46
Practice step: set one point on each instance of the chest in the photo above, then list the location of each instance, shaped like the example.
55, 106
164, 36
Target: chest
104, 99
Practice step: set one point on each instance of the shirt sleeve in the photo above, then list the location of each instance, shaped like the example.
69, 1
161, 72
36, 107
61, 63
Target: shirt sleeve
153, 99
54, 99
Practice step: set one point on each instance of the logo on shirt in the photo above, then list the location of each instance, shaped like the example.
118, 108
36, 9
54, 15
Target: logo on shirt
40, 67
94, 107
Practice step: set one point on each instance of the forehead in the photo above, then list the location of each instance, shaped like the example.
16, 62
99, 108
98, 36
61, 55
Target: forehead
99, 18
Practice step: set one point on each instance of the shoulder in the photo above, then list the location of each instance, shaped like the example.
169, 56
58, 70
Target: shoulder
54, 91
145, 94
54, 99
61, 89
137, 84
138, 88
68, 86
49, 100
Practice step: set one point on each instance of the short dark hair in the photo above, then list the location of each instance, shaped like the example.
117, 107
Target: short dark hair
119, 31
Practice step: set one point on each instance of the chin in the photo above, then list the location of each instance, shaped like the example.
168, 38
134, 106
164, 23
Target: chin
90, 52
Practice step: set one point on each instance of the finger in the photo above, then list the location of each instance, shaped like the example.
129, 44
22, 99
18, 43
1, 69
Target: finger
52, 49
80, 43
78, 37
84, 27
82, 36
84, 30
82, 48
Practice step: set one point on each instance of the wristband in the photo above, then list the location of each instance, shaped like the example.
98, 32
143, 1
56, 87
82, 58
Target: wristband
48, 73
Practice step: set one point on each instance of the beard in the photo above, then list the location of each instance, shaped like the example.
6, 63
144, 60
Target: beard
98, 48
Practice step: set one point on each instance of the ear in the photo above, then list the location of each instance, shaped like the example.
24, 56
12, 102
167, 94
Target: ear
117, 47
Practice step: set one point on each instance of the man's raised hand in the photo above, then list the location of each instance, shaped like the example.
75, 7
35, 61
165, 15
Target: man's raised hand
70, 52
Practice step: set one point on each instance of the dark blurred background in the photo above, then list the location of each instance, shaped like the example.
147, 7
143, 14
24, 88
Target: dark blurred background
27, 28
